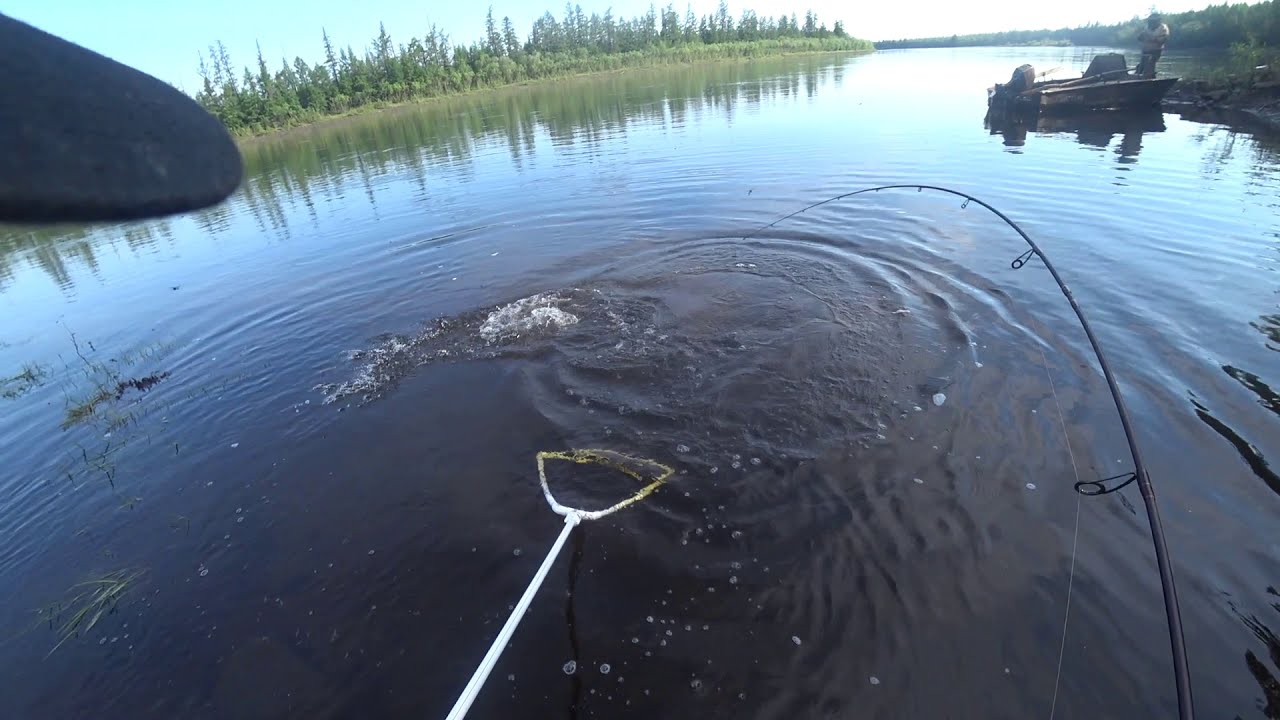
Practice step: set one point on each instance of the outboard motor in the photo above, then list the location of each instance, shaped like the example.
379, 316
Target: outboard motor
1023, 78
1001, 97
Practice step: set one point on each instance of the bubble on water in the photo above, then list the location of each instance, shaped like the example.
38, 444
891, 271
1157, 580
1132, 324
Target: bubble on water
795, 639
688, 628
649, 619
917, 481
635, 641
682, 448
875, 680
570, 667
235, 445
517, 552
512, 677
736, 534
939, 398
735, 565
736, 465
742, 696
715, 470
371, 552
605, 668
668, 633
663, 643
1031, 486
755, 461
696, 684
203, 570
706, 627
240, 519
733, 579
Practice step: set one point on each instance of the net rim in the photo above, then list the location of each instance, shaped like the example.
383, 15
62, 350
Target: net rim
594, 456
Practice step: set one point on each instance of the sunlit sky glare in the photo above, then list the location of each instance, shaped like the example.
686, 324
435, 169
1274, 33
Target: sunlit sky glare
163, 37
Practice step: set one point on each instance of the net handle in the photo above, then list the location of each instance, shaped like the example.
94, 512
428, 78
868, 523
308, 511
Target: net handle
572, 518
472, 690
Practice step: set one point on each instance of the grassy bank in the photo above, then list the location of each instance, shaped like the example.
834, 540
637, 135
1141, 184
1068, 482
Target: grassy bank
747, 51
433, 66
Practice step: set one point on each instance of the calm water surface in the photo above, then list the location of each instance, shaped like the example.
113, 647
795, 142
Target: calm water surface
330, 501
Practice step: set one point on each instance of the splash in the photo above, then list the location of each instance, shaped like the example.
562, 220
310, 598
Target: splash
476, 334
536, 312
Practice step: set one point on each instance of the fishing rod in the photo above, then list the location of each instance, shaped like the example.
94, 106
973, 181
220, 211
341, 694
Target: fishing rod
1173, 614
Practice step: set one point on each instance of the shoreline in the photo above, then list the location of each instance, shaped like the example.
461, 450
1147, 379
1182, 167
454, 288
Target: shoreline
1247, 104
244, 141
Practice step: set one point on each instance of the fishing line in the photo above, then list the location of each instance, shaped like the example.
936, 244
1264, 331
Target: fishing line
1075, 535
1173, 614
649, 472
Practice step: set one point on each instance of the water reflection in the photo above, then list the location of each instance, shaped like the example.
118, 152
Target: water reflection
289, 176
1264, 675
1096, 129
54, 249
1269, 326
1249, 452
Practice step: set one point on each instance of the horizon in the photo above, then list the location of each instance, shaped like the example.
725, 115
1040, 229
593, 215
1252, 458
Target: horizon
166, 40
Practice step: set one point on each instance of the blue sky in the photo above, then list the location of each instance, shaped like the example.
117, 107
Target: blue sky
163, 37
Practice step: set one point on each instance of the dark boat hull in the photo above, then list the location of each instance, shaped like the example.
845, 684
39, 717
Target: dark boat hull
1109, 95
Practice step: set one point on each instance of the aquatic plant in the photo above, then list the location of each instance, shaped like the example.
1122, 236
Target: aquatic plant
93, 599
29, 378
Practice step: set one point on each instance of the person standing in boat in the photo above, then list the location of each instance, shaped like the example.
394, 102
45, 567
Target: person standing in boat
1153, 39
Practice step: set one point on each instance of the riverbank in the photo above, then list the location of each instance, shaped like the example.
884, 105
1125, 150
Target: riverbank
1253, 101
302, 94
248, 139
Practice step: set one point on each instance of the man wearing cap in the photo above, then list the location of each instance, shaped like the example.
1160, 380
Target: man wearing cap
1153, 39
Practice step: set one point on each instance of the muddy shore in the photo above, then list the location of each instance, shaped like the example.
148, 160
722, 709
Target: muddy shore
1256, 105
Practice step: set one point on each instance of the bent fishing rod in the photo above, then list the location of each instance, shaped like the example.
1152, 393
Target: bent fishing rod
1173, 614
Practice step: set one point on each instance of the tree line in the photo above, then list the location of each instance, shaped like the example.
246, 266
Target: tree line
1217, 26
259, 99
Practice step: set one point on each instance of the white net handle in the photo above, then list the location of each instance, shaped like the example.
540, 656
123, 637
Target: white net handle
572, 517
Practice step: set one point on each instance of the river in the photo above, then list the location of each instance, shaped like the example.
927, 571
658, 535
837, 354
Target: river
293, 436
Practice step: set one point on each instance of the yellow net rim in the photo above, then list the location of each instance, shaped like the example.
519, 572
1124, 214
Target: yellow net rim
610, 459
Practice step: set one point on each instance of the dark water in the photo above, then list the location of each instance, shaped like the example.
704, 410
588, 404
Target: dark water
331, 498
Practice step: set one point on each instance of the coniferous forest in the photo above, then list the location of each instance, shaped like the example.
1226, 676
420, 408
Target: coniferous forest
391, 70
1217, 26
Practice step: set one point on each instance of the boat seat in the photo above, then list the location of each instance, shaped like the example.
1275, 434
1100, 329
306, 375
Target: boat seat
1106, 64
